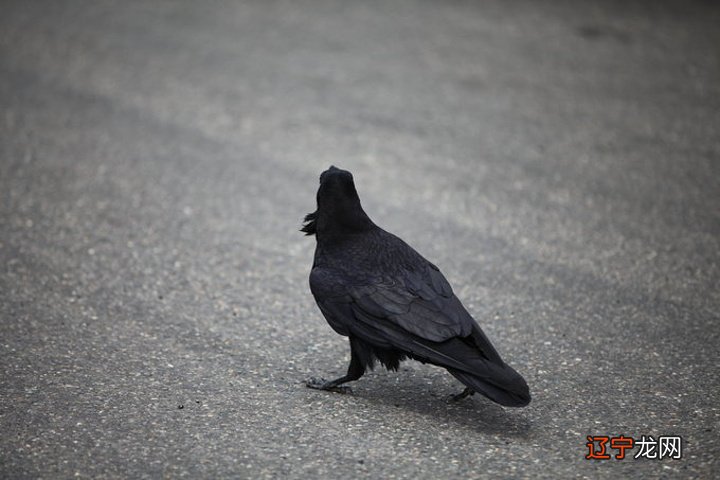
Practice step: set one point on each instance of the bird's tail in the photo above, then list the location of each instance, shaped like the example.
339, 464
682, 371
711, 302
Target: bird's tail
506, 387
494, 378
474, 362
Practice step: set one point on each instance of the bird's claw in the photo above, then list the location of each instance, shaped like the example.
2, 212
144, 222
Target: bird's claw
459, 396
322, 384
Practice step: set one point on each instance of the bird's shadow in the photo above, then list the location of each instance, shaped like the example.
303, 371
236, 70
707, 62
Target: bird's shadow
430, 397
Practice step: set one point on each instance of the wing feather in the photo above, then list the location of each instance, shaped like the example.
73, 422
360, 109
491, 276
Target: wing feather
420, 302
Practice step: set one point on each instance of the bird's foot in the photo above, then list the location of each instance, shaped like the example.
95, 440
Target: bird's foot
330, 386
465, 393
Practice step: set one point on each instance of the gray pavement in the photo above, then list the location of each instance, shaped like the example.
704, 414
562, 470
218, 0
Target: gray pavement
557, 160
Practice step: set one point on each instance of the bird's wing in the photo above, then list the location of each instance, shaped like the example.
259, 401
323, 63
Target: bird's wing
397, 311
420, 302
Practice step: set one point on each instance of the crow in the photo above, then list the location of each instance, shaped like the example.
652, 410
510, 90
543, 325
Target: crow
392, 303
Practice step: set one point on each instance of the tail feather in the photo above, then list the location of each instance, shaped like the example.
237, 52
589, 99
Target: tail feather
492, 378
512, 393
462, 357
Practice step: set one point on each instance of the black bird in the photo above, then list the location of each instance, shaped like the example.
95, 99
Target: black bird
392, 303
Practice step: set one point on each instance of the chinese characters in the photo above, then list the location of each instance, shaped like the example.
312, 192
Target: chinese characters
664, 447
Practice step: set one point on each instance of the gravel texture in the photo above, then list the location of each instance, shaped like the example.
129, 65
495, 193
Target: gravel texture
559, 161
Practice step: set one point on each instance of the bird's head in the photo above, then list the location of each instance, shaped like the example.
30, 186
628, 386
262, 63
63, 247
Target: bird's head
338, 206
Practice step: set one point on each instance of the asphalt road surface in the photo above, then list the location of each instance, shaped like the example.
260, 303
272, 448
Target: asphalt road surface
559, 161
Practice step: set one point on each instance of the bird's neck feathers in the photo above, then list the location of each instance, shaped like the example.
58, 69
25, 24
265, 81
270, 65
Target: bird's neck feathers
337, 220
310, 227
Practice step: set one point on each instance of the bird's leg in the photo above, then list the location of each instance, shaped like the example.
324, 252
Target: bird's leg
355, 371
465, 393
